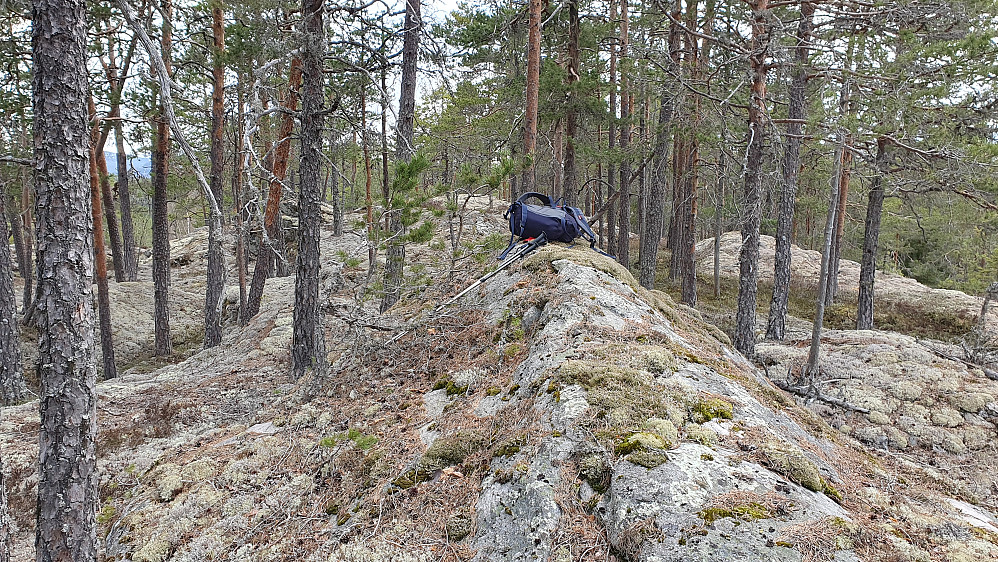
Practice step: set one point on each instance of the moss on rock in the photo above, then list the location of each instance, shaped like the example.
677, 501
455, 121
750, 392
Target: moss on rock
169, 483
648, 459
156, 550
750, 511
664, 429
451, 449
706, 408
700, 434
640, 441
786, 459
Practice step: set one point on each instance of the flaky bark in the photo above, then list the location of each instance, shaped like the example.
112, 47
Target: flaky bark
748, 259
67, 487
160, 208
12, 388
216, 260
307, 340
655, 205
796, 114
871, 238
272, 212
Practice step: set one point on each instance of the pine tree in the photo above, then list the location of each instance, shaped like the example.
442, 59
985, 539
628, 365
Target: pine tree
405, 139
67, 486
12, 387
748, 260
307, 340
214, 293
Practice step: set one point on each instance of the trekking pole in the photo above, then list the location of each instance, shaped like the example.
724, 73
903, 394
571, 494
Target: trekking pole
529, 247
520, 253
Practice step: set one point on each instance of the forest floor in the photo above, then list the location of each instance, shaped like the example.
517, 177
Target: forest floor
505, 428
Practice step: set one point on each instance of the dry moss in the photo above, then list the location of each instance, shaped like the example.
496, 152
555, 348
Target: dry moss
648, 459
786, 459
700, 434
625, 397
451, 449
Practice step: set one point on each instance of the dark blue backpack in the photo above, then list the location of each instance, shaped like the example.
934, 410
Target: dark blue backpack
555, 222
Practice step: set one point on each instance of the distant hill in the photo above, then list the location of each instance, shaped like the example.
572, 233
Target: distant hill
141, 165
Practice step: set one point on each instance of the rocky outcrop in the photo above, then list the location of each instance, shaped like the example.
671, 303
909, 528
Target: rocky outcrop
562, 412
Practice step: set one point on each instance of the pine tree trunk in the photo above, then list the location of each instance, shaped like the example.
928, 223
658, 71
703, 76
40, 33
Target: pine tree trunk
405, 150
871, 236
67, 487
722, 167
129, 257
117, 258
307, 343
272, 212
836, 252
28, 264
237, 198
214, 294
160, 208
570, 190
655, 205
796, 114
335, 190
12, 387
110, 371
528, 178
611, 169
811, 368
685, 264
748, 259
23, 253
624, 200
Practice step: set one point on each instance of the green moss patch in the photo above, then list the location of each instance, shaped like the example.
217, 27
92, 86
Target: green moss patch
359, 438
745, 512
640, 441
786, 459
707, 408
625, 397
450, 386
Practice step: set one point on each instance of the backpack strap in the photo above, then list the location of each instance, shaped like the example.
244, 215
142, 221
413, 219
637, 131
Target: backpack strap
502, 256
587, 230
539, 196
